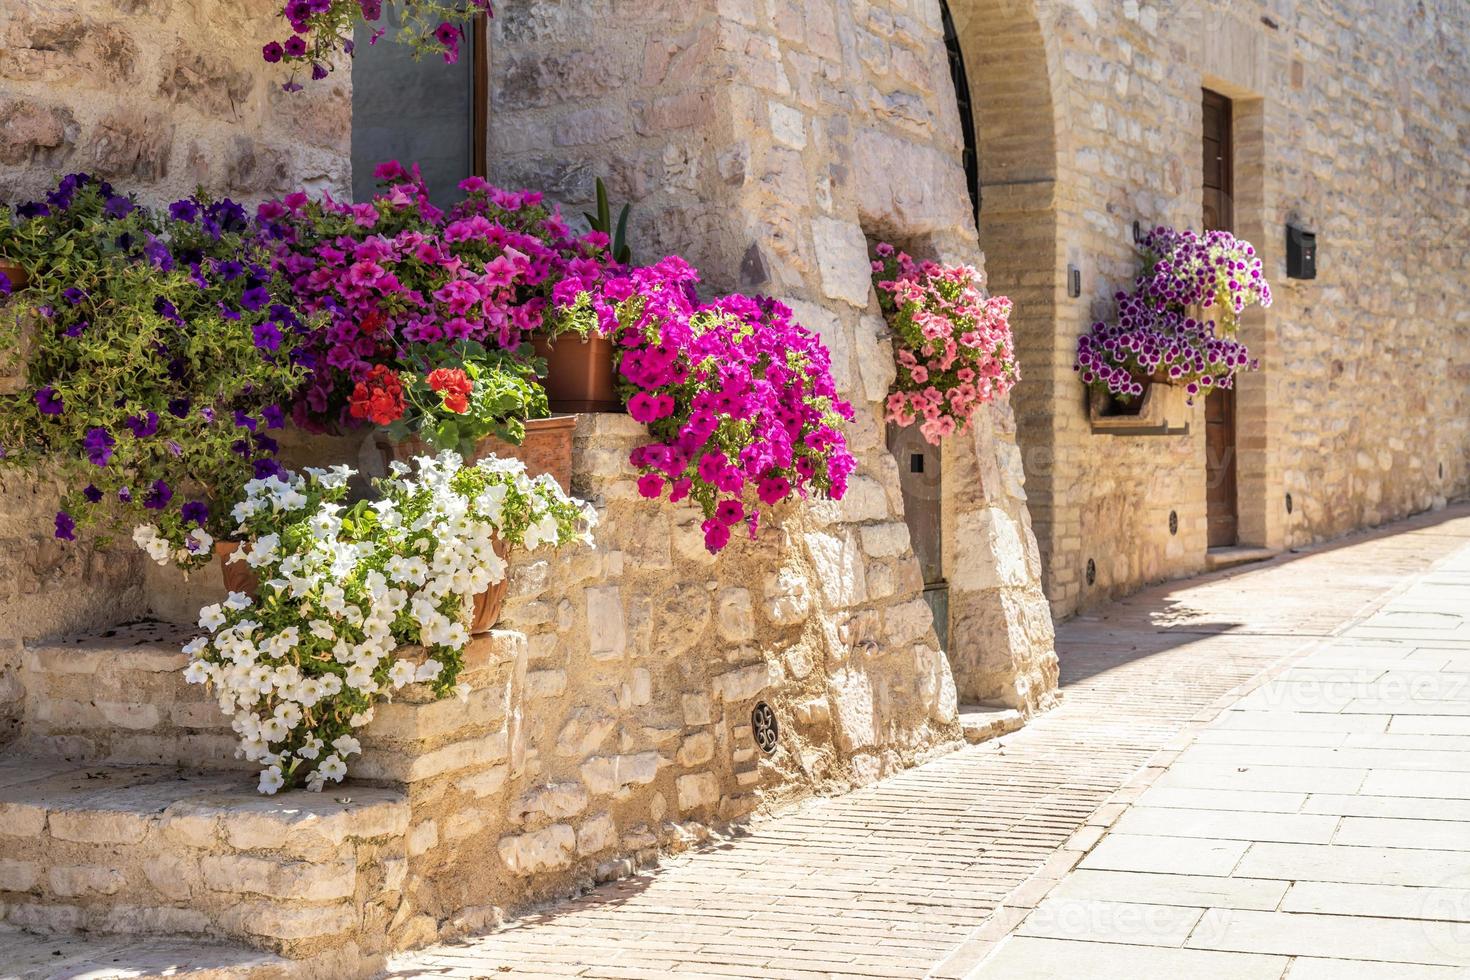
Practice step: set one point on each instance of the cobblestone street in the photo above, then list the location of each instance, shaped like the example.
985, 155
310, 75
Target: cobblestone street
1256, 773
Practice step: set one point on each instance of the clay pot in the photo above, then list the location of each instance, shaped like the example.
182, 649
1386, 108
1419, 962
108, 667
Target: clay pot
579, 373
547, 448
485, 610
238, 576
15, 274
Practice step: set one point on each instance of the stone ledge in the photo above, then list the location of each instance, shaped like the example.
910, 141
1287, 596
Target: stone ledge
120, 698
153, 850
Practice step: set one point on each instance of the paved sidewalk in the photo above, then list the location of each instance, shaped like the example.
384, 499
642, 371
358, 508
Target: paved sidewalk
1275, 830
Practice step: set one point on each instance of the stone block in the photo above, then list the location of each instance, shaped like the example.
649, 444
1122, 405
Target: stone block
596, 834
736, 618
842, 259
541, 850
697, 791
744, 683
98, 826
549, 803
696, 749
606, 633
610, 774
298, 880
18, 876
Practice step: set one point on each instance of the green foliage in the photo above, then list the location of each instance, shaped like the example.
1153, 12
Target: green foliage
602, 222
144, 349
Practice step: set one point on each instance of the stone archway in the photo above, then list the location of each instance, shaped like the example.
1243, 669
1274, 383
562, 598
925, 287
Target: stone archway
1012, 67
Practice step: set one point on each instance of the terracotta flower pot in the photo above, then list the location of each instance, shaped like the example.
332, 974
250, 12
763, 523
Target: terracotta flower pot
485, 609
238, 576
547, 448
15, 274
579, 373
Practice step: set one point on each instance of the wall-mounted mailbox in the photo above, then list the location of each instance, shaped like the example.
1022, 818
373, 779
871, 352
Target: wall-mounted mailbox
1301, 253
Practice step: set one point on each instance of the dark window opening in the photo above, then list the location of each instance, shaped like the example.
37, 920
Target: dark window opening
421, 111
962, 100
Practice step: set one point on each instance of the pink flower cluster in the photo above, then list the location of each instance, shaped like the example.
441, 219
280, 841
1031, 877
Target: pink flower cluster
396, 272
738, 395
953, 344
1161, 333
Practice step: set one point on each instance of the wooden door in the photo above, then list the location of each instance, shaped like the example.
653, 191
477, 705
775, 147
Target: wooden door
1218, 184
921, 480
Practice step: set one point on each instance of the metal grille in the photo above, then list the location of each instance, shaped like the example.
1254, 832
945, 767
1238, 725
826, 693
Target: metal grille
763, 724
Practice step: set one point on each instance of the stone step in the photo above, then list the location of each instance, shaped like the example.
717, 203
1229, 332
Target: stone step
983, 722
154, 850
27, 956
120, 698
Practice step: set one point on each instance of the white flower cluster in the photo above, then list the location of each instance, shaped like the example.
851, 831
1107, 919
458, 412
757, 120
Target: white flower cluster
197, 542
342, 589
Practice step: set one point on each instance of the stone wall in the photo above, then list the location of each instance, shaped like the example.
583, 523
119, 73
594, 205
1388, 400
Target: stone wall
1351, 119
160, 97
770, 143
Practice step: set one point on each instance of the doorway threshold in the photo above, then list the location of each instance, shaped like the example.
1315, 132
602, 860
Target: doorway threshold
1239, 554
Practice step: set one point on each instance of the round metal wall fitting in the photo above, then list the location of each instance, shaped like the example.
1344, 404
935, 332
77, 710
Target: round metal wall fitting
763, 724
1288, 503
1173, 522
1091, 571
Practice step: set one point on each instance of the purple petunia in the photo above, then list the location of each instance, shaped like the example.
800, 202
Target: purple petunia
274, 417
267, 336
255, 298
195, 511
143, 426
66, 528
272, 52
93, 495
98, 445
118, 207
49, 402
179, 408
158, 495
244, 421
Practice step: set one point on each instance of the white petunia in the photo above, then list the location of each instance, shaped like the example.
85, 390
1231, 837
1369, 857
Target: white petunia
401, 673
271, 780
346, 745
195, 645
274, 730
211, 617
237, 601
332, 768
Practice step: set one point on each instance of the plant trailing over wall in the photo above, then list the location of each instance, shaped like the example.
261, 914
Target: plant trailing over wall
426, 313
162, 350
738, 396
321, 29
301, 667
1162, 333
952, 343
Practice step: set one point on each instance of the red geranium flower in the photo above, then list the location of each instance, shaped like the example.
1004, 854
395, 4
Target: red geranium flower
454, 386
379, 399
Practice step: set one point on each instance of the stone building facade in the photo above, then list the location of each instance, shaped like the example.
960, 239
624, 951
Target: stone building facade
614, 710
772, 143
1351, 121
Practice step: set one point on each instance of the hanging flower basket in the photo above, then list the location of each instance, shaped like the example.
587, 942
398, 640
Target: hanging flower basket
579, 372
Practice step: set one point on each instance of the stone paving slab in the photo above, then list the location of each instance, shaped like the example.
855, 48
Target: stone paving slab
932, 871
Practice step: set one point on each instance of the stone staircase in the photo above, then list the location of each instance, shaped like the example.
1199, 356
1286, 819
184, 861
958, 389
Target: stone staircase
123, 812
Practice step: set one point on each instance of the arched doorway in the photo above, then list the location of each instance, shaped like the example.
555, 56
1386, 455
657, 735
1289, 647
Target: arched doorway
1010, 97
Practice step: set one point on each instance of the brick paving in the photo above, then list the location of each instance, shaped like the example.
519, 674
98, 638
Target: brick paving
928, 873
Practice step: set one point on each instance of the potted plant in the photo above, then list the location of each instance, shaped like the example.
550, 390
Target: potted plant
1161, 334
323, 29
580, 357
736, 394
346, 588
952, 343
162, 352
407, 290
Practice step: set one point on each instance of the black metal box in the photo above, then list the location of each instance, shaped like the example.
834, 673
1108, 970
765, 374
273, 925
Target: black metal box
1301, 253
